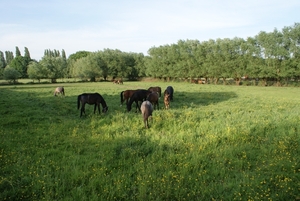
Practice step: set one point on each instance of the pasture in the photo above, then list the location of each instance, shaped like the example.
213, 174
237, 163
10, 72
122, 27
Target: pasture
214, 143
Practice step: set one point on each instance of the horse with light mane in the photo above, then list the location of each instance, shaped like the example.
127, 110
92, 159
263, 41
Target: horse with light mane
146, 109
59, 90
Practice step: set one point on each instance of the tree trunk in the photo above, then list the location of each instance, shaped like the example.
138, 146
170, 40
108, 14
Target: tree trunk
237, 81
224, 80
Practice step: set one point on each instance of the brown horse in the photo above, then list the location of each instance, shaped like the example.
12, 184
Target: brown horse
167, 100
125, 95
147, 110
59, 90
91, 99
155, 89
169, 90
139, 95
153, 99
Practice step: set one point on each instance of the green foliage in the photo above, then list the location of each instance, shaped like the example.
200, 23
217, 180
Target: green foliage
89, 67
27, 54
18, 53
20, 63
11, 74
9, 56
214, 143
2, 61
55, 66
36, 71
78, 55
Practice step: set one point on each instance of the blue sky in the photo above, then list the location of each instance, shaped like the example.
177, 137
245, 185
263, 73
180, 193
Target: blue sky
134, 25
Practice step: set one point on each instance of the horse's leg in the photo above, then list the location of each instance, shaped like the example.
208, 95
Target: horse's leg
99, 108
137, 106
95, 107
82, 110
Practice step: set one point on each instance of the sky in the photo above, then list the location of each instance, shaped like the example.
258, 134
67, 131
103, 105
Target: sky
134, 25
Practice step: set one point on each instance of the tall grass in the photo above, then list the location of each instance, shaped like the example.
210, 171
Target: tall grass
215, 143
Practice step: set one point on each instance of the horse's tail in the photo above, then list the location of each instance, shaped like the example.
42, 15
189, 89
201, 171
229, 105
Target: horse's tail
78, 101
122, 97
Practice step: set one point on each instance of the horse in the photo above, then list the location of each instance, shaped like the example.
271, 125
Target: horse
147, 110
139, 95
153, 99
155, 89
167, 100
117, 81
91, 99
59, 90
125, 95
169, 91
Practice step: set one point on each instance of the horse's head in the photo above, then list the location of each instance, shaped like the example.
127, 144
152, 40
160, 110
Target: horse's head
104, 110
128, 107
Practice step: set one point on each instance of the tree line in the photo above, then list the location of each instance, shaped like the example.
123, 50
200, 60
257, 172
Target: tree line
268, 56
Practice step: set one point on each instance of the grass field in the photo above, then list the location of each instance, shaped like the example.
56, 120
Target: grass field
215, 143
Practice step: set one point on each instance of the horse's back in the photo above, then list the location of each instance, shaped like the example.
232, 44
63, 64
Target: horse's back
146, 107
60, 90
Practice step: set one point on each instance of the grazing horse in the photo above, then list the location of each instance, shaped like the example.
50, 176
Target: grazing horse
139, 95
147, 110
169, 91
153, 99
91, 99
125, 95
155, 89
167, 100
59, 90
117, 81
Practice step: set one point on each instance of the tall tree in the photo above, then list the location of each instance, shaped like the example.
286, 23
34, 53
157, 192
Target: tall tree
63, 54
20, 63
9, 56
18, 53
2, 61
27, 54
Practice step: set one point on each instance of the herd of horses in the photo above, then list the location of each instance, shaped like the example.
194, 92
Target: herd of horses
149, 99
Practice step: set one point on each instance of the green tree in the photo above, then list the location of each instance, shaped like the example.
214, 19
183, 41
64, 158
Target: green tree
20, 63
71, 71
36, 71
2, 61
11, 74
9, 56
18, 53
89, 67
27, 54
55, 66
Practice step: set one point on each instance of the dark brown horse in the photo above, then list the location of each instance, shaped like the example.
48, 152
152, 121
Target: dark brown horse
167, 100
59, 90
147, 110
169, 90
91, 99
125, 95
139, 95
155, 89
153, 99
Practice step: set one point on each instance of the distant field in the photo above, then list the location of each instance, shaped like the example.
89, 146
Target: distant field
215, 143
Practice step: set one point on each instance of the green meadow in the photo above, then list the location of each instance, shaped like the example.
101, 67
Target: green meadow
214, 143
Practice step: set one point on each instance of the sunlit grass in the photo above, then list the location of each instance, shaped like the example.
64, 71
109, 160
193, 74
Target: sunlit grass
214, 143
